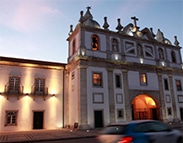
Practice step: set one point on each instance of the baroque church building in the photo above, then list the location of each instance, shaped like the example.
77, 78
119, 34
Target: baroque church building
111, 76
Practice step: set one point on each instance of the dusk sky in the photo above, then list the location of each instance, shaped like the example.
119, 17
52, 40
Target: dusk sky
38, 29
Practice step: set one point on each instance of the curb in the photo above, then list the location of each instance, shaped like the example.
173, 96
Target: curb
41, 140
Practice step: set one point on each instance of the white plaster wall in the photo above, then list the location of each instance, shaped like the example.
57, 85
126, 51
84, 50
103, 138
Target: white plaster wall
132, 59
90, 90
149, 62
134, 81
73, 98
52, 106
77, 44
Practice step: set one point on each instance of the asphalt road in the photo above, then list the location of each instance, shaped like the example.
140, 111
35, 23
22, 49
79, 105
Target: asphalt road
85, 140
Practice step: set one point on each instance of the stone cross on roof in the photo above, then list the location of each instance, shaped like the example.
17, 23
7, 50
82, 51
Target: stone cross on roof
135, 20
88, 7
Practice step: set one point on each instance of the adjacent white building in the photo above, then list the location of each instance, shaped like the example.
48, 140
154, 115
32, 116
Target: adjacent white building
110, 76
31, 94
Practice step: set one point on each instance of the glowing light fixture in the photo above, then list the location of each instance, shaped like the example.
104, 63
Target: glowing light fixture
116, 56
163, 63
141, 60
81, 52
53, 94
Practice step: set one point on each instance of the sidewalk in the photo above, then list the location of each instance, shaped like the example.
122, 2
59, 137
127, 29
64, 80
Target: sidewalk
42, 135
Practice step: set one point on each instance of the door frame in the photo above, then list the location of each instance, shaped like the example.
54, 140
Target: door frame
153, 98
33, 111
102, 112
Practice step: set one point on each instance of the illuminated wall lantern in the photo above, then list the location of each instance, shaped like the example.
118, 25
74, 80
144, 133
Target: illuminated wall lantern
141, 60
52, 95
182, 66
163, 63
116, 57
81, 52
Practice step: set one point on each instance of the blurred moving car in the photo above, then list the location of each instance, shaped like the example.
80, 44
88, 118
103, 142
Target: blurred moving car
139, 131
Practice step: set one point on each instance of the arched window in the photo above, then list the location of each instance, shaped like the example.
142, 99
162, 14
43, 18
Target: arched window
115, 46
95, 42
73, 46
161, 54
173, 57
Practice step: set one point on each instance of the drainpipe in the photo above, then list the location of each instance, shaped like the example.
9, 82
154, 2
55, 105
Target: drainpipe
63, 93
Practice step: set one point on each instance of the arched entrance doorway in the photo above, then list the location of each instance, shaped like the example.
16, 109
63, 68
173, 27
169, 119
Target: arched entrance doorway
144, 107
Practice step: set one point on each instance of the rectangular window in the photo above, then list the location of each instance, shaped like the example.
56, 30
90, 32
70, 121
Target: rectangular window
97, 79
180, 98
39, 85
166, 84
169, 111
11, 118
168, 100
143, 79
181, 113
118, 81
120, 113
72, 76
178, 85
14, 84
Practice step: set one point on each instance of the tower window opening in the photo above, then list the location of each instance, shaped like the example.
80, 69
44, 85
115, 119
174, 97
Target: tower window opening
143, 79
95, 43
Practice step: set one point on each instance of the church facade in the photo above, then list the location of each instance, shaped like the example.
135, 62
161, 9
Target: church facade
111, 76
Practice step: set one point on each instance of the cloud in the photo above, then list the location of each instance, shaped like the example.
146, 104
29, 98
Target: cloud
26, 15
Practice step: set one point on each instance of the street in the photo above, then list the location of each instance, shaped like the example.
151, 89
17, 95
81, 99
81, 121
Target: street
84, 140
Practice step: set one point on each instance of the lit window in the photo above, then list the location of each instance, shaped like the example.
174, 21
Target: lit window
143, 79
14, 84
39, 86
118, 81
11, 118
115, 45
97, 79
178, 85
95, 43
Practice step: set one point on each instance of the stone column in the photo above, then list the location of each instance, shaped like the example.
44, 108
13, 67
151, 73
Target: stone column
161, 99
82, 98
126, 95
111, 96
173, 98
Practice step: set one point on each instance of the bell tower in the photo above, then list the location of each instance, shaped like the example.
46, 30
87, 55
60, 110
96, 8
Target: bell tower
77, 70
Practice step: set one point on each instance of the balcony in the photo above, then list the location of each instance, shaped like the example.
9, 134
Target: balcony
10, 90
39, 91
